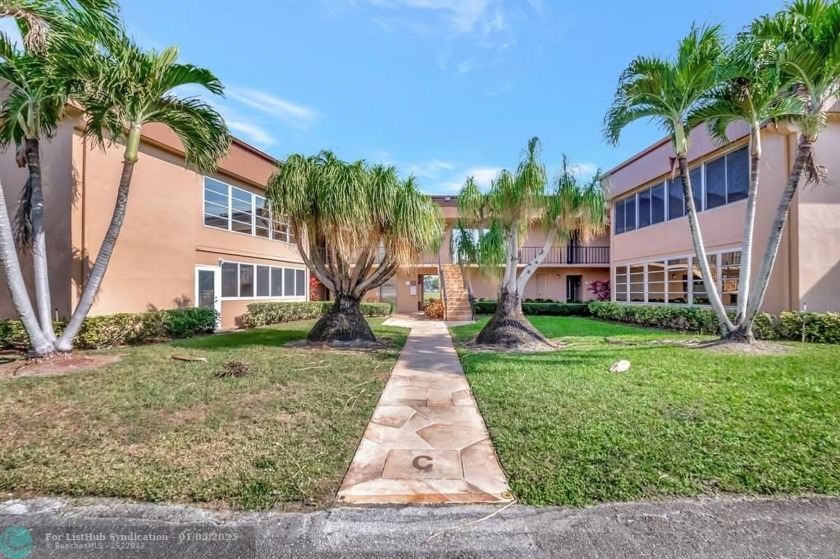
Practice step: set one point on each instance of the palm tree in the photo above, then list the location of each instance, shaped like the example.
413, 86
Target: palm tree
125, 89
753, 91
805, 37
503, 216
37, 83
33, 109
40, 345
354, 226
667, 92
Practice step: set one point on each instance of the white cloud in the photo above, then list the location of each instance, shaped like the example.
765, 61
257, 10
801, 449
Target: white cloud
429, 169
538, 6
292, 114
480, 23
461, 16
585, 169
381, 156
482, 176
467, 66
250, 132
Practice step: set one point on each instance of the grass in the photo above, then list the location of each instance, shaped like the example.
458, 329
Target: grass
155, 429
680, 422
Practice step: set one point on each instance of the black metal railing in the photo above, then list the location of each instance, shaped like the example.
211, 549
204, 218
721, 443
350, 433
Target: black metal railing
568, 255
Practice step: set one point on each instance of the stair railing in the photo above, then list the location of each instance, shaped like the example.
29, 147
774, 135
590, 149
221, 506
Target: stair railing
442, 289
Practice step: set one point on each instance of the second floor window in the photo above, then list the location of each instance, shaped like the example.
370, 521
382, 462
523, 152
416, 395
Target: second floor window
717, 182
235, 209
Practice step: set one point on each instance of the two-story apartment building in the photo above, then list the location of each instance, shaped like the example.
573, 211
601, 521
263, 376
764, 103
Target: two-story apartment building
192, 240
187, 239
562, 276
652, 253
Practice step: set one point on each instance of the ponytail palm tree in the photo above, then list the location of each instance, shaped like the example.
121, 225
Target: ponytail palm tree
503, 216
755, 92
126, 88
805, 38
354, 226
667, 92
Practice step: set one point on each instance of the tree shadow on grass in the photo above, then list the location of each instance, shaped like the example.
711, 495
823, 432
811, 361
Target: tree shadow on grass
564, 357
233, 340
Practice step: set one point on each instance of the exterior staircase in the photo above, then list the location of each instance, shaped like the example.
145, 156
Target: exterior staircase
455, 293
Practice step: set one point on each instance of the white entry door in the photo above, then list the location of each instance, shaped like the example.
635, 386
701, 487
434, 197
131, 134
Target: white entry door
208, 288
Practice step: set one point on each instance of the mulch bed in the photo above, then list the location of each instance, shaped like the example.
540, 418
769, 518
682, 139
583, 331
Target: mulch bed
55, 366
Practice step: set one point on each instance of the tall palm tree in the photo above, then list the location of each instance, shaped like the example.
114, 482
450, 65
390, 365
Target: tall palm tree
32, 110
354, 226
503, 216
37, 82
667, 92
754, 91
125, 89
806, 41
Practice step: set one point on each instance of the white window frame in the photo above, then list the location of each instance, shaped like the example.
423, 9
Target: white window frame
255, 297
217, 288
702, 167
229, 228
689, 285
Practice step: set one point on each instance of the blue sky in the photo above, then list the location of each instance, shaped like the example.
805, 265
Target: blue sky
441, 89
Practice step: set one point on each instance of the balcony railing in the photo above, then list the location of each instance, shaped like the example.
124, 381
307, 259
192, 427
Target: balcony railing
568, 255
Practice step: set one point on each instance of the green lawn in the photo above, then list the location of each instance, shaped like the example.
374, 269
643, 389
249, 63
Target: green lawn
154, 429
681, 422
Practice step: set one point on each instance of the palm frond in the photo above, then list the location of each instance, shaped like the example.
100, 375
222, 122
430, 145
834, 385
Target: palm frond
666, 91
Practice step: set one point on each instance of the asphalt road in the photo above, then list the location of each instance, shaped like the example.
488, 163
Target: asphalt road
697, 528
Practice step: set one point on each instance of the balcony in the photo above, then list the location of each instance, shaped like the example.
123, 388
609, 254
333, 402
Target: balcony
568, 255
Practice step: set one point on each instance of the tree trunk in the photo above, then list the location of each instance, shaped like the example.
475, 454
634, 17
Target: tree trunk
40, 345
508, 327
742, 334
700, 251
344, 323
749, 229
40, 267
91, 288
803, 153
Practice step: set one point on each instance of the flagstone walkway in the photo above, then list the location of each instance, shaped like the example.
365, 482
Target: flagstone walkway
426, 441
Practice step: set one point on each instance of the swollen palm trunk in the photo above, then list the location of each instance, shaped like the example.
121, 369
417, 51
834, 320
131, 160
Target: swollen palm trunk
509, 327
344, 323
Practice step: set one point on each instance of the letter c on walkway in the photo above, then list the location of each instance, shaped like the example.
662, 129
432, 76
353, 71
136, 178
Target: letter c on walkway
422, 467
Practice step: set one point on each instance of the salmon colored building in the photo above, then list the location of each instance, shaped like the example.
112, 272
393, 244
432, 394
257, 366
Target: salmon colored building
562, 277
195, 240
187, 240
652, 254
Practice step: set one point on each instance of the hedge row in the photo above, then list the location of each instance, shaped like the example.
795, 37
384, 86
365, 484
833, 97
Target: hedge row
795, 326
548, 309
262, 314
123, 329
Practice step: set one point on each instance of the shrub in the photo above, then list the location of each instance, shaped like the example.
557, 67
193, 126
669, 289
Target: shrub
817, 327
434, 309
810, 327
262, 314
600, 289
123, 328
546, 309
